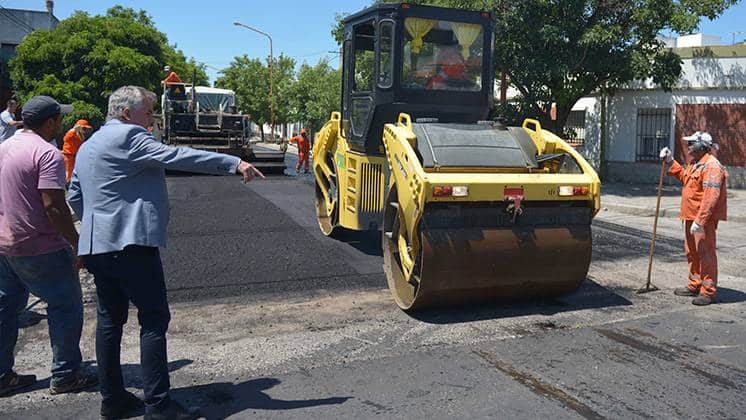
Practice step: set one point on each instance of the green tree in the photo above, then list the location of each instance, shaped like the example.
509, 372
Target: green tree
283, 74
317, 91
558, 51
86, 57
249, 78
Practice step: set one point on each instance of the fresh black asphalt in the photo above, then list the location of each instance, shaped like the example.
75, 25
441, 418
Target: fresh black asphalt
226, 240
241, 241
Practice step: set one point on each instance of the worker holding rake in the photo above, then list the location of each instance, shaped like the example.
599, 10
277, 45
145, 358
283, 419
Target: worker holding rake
703, 205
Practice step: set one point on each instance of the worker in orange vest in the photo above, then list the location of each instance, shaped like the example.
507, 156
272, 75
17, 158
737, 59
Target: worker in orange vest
72, 141
703, 204
171, 77
304, 149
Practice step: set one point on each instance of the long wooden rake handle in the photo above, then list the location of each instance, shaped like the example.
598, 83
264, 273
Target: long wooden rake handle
655, 223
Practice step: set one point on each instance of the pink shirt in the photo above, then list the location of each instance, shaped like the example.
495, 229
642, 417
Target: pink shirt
28, 163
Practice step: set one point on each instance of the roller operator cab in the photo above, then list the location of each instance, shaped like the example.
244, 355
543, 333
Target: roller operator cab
470, 210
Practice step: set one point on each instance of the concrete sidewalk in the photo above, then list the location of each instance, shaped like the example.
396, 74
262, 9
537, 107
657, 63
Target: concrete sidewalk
640, 200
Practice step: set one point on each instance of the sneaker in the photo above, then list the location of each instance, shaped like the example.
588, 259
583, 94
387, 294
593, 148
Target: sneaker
175, 411
684, 291
124, 406
79, 381
702, 300
11, 382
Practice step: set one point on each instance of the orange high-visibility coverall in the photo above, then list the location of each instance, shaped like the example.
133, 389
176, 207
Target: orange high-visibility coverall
70, 146
703, 201
304, 147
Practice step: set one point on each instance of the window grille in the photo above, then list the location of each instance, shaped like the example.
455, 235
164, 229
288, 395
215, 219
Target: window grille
575, 128
653, 132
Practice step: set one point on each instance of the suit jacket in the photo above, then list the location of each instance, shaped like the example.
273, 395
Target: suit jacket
118, 187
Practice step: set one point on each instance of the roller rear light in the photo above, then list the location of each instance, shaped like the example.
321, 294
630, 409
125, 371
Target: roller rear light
571, 190
451, 191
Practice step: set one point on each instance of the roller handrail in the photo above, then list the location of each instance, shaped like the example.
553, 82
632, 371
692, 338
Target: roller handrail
536, 123
405, 120
537, 134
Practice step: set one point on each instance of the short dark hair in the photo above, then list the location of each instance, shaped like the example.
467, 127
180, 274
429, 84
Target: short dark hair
34, 124
11, 102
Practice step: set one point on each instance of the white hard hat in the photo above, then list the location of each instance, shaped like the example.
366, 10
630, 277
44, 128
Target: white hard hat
701, 140
699, 136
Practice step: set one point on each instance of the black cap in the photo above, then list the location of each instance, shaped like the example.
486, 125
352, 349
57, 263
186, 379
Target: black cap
41, 107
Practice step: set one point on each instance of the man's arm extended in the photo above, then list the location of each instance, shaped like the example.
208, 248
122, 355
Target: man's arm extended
59, 215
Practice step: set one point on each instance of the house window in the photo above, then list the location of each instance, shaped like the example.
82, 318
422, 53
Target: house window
653, 133
575, 128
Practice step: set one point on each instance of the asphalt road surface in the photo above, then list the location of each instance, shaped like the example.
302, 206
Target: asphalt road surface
270, 319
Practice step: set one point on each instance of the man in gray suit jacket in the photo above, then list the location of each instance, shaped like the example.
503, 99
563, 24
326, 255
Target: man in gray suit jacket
118, 190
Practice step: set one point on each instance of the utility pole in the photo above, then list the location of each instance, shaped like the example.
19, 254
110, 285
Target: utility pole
271, 59
734, 36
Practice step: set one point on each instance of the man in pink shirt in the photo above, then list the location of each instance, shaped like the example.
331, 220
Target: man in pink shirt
37, 242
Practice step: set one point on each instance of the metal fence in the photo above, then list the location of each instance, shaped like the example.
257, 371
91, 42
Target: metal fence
653, 132
575, 127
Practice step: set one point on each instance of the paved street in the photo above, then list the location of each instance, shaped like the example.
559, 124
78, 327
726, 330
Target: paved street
270, 319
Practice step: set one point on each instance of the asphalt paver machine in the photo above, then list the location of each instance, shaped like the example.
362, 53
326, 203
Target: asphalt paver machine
470, 210
205, 118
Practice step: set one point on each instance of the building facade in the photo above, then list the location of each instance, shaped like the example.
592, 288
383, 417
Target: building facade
15, 24
642, 118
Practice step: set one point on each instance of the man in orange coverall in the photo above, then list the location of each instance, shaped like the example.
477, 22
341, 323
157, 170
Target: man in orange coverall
304, 148
71, 143
171, 77
703, 204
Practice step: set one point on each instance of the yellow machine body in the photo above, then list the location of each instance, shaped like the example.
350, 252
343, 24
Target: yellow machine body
444, 250
470, 210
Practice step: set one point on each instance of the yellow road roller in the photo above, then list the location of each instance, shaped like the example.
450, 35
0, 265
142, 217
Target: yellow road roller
470, 210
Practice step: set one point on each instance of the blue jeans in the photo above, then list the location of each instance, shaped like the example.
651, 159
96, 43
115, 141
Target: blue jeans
52, 278
135, 275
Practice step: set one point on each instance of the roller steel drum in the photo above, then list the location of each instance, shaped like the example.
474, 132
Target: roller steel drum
477, 253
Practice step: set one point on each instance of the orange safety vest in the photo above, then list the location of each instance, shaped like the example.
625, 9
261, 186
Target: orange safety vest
303, 144
703, 198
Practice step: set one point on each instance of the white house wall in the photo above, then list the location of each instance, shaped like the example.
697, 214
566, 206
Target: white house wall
622, 115
705, 73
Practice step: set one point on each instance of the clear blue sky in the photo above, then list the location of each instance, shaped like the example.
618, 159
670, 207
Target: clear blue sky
299, 28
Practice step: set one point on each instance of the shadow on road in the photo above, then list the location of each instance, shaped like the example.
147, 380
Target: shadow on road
223, 399
367, 241
29, 318
590, 295
726, 295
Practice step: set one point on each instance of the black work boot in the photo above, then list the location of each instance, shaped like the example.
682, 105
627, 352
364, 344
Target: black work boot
175, 411
78, 381
12, 382
702, 300
684, 291
123, 406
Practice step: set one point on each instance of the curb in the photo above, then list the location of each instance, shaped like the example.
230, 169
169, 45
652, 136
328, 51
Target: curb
668, 212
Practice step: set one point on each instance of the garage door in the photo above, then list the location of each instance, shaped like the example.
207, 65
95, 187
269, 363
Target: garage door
725, 122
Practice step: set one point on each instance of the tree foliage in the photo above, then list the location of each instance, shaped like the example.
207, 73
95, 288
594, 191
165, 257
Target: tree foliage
87, 57
316, 94
557, 51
